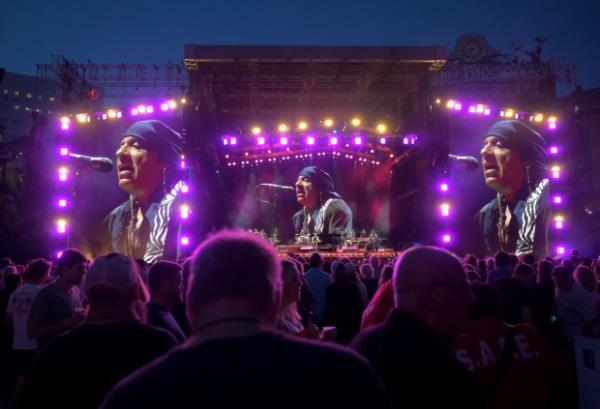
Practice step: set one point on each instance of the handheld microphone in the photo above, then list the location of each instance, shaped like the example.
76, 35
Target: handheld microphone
101, 164
275, 186
469, 163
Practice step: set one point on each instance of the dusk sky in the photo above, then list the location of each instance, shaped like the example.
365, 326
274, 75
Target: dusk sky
153, 31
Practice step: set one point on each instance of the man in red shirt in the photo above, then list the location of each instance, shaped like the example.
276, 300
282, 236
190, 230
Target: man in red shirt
525, 375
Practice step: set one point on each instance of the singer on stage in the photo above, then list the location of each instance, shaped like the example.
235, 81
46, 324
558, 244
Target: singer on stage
514, 165
323, 213
146, 226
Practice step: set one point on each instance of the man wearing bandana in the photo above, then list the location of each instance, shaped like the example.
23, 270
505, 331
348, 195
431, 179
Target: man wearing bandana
147, 226
514, 165
323, 213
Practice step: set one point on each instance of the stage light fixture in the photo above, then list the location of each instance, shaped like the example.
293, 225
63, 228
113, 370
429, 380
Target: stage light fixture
381, 128
283, 128
184, 210
141, 109
82, 118
328, 122
64, 151
149, 109
555, 172
479, 108
185, 188
560, 250
183, 101
445, 209
62, 202
554, 150
256, 130
63, 174
233, 141
557, 199
283, 140
355, 122
310, 140
509, 113
438, 101
134, 112
358, 140
538, 117
446, 238
382, 140
559, 221
450, 104
172, 104
61, 226
333, 140
65, 123
487, 111
552, 125
164, 106
302, 125
472, 109
443, 187
111, 113
261, 140
185, 241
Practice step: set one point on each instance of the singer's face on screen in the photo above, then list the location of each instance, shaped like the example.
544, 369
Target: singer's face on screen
138, 169
306, 194
503, 169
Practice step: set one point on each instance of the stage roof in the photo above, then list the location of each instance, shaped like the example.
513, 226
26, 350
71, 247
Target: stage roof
273, 82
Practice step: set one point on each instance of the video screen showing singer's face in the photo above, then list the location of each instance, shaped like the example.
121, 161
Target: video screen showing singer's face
138, 169
502, 167
306, 195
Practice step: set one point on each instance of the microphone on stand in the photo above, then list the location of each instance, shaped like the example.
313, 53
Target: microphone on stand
469, 163
275, 186
101, 164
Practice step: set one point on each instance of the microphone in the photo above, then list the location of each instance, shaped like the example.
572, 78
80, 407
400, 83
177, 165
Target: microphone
101, 164
466, 162
274, 186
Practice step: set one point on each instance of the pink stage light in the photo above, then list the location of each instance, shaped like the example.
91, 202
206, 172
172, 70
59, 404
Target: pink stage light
557, 199
62, 203
487, 111
233, 141
555, 172
310, 140
552, 125
445, 209
185, 211
333, 140
134, 112
382, 140
554, 150
261, 140
443, 187
149, 109
358, 140
164, 106
185, 241
446, 238
458, 106
471, 109
225, 141
185, 188
64, 151
182, 164
560, 250
283, 140
59, 254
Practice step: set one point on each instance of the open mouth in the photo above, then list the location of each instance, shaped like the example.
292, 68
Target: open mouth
125, 170
490, 169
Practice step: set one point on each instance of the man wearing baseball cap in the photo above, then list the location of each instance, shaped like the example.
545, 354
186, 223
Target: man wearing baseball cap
79, 368
146, 226
514, 165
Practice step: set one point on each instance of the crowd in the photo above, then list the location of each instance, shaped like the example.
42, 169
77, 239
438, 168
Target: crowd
238, 324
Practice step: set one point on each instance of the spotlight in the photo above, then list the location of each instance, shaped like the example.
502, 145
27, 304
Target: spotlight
184, 211
450, 104
283, 140
302, 125
333, 140
509, 113
172, 104
61, 226
261, 140
560, 250
310, 140
183, 101
63, 174
64, 151
164, 106
487, 111
557, 199
82, 118
479, 109
559, 222
62, 203
358, 140
185, 241
134, 112
554, 150
443, 187
328, 122
555, 172
283, 128
438, 101
355, 122
65, 123
141, 109
381, 128
149, 109
233, 141
472, 109
538, 117
256, 130
552, 125
185, 188
111, 113
445, 209
446, 238
382, 140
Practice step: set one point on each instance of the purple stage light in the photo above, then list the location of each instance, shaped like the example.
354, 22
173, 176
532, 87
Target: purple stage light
487, 111
164, 106
283, 140
260, 140
310, 140
185, 210
554, 150
225, 141
149, 109
333, 140
472, 109
552, 125
233, 141
446, 238
64, 151
560, 250
65, 123
141, 109
62, 203
445, 209
185, 241
382, 140
185, 188
134, 112
443, 187
59, 254
555, 172
182, 164
358, 140
458, 106
557, 199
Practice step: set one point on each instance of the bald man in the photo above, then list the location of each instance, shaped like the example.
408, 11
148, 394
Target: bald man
410, 350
